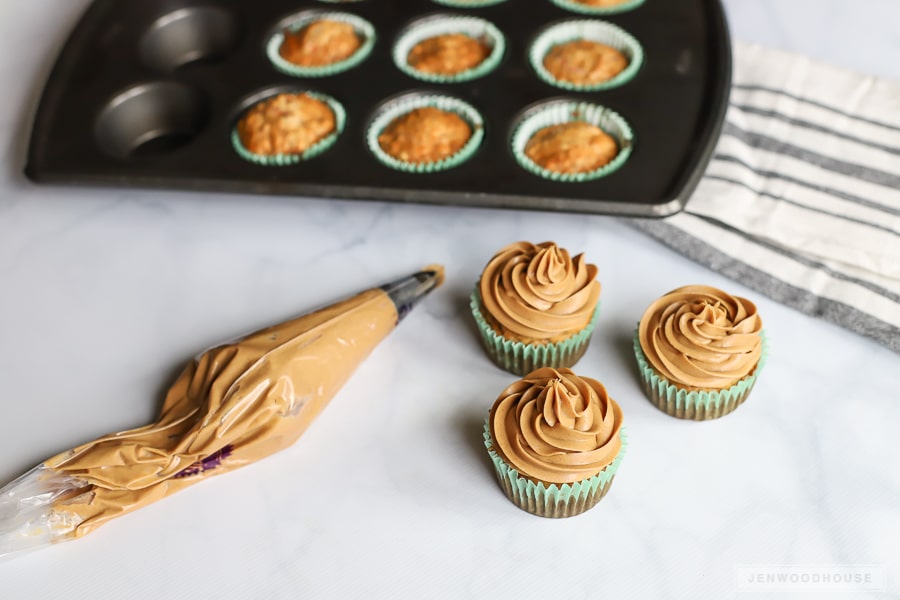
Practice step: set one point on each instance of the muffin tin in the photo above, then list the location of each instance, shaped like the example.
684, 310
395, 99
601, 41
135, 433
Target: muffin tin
147, 94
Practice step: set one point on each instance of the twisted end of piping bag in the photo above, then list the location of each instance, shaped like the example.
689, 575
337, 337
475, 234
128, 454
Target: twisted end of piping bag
233, 405
407, 292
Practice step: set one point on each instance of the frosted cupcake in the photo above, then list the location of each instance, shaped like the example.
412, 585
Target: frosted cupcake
700, 351
556, 443
535, 306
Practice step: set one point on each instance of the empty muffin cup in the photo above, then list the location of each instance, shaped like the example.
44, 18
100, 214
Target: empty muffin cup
599, 8
280, 160
362, 28
592, 31
479, 30
557, 112
403, 105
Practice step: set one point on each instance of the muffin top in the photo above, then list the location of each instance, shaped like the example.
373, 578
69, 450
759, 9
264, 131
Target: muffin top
285, 124
425, 135
448, 54
699, 337
556, 427
584, 62
574, 147
537, 293
322, 42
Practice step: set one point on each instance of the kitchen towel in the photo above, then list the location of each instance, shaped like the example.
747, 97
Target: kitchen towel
801, 200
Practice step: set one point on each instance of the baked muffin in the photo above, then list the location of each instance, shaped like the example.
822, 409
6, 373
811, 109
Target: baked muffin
601, 3
584, 62
320, 43
575, 147
556, 443
285, 124
425, 135
700, 351
448, 54
535, 306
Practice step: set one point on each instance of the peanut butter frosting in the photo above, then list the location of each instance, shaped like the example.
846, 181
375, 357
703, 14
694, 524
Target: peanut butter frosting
538, 293
556, 427
699, 337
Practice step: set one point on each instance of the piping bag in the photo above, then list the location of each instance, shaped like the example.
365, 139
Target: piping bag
231, 406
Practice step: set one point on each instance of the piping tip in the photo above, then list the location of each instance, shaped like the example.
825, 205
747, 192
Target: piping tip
409, 291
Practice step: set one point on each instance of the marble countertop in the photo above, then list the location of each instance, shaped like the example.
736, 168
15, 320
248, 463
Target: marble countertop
104, 294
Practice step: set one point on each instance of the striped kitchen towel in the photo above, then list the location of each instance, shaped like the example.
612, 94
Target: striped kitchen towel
801, 200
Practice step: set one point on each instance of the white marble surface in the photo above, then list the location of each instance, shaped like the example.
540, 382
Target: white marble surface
105, 293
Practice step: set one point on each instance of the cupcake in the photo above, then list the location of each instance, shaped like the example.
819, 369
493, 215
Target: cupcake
424, 133
585, 55
700, 351
574, 147
288, 127
535, 306
319, 43
449, 48
556, 442
598, 7
584, 62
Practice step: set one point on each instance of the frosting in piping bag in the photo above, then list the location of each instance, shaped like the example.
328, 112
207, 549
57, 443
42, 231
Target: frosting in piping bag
556, 427
700, 337
538, 293
233, 405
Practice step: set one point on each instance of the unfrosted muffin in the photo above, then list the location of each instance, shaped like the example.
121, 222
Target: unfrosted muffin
322, 42
448, 54
555, 441
601, 3
584, 62
574, 147
285, 124
425, 135
700, 351
535, 306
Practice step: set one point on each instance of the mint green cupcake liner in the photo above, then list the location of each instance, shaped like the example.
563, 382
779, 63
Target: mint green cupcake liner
597, 10
696, 405
436, 25
363, 29
468, 3
554, 501
519, 358
557, 112
594, 31
282, 160
409, 102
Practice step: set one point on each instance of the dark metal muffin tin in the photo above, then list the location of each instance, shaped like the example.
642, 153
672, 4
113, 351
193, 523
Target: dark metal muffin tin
146, 93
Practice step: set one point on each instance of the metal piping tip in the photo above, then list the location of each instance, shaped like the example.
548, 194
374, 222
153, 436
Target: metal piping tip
408, 291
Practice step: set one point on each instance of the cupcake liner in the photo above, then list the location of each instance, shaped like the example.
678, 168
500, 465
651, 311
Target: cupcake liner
584, 9
404, 104
468, 3
553, 500
362, 27
519, 358
557, 112
436, 25
592, 30
281, 160
696, 405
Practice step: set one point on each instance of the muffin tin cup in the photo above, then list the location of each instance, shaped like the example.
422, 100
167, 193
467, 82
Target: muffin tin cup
695, 405
398, 107
552, 500
282, 160
363, 29
519, 358
594, 31
557, 112
436, 25
585, 9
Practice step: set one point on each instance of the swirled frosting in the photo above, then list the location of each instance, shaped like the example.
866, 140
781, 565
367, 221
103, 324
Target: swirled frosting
556, 427
700, 337
538, 293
